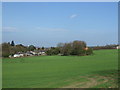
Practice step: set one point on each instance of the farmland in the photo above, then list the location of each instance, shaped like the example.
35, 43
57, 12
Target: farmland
93, 71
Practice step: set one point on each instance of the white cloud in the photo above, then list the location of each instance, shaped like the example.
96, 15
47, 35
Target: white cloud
73, 16
9, 29
51, 29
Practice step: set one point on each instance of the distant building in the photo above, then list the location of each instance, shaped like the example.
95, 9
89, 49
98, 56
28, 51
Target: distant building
86, 48
28, 53
118, 47
41, 53
16, 55
21, 55
10, 56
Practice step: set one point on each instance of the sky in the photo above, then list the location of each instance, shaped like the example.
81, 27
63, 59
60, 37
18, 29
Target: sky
49, 23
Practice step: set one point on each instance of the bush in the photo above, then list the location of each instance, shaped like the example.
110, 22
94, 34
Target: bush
5, 55
89, 51
53, 51
5, 50
76, 48
72, 48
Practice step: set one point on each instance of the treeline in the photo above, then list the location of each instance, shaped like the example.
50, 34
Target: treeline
78, 48
111, 46
73, 48
11, 48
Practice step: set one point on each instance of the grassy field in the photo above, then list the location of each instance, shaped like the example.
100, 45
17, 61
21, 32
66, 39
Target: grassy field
95, 71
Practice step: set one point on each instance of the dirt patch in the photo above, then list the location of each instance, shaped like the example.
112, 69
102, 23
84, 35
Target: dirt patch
91, 82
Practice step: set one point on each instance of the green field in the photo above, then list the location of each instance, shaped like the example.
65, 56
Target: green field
95, 71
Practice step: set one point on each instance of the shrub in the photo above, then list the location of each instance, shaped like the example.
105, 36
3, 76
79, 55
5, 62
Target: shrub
89, 51
72, 48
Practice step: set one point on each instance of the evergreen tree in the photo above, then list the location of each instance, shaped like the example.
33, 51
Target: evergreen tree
43, 48
12, 43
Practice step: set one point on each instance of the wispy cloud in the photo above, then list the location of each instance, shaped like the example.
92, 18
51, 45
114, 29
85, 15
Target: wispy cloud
9, 29
51, 29
73, 16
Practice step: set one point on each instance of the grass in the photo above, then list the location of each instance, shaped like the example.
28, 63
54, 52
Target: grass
62, 71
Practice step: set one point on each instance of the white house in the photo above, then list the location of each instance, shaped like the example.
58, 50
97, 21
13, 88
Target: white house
42, 53
16, 55
21, 55
118, 47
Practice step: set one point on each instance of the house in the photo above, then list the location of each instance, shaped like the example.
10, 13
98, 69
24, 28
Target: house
86, 48
28, 53
10, 56
41, 53
21, 55
16, 55
118, 47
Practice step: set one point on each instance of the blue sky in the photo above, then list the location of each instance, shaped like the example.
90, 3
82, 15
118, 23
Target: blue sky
46, 24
